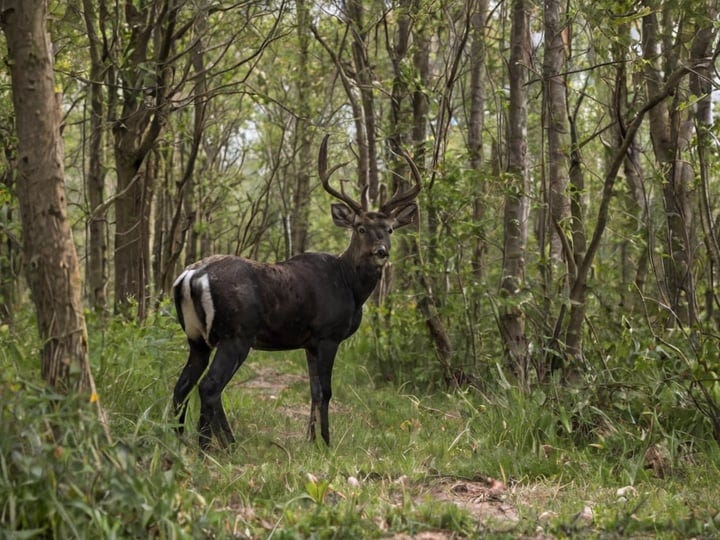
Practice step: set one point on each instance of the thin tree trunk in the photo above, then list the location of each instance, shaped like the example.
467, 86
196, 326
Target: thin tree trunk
428, 302
557, 126
300, 211
670, 132
633, 272
400, 116
578, 292
185, 213
475, 130
701, 88
559, 165
52, 267
515, 214
366, 137
97, 261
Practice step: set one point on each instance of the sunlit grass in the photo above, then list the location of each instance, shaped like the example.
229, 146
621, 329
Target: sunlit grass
403, 460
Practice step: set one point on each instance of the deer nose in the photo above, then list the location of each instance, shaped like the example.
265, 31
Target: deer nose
381, 251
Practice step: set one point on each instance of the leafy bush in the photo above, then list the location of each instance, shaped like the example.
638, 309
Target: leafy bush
631, 411
61, 478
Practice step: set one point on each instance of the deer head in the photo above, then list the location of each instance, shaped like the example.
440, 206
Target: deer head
371, 230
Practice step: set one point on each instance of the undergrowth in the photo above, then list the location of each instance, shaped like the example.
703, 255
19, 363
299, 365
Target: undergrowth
623, 452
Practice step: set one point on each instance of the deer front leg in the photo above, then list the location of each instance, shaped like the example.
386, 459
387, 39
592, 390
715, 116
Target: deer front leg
315, 399
320, 365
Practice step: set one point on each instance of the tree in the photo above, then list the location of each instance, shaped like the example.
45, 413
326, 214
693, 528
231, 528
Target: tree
144, 83
300, 211
476, 124
52, 268
670, 131
515, 216
97, 263
557, 127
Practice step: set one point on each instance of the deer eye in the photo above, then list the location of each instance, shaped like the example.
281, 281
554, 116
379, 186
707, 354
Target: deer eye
361, 229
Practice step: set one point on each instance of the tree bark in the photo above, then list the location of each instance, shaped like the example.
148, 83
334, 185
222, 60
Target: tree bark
300, 212
515, 214
52, 267
633, 271
97, 261
185, 213
135, 131
701, 88
475, 131
557, 127
670, 132
578, 292
366, 136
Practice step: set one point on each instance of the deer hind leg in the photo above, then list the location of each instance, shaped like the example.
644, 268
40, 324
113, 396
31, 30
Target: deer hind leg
196, 364
230, 355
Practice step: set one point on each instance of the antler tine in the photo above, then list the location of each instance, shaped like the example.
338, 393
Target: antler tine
400, 198
325, 178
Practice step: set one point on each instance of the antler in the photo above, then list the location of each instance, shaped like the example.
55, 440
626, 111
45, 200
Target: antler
400, 199
325, 178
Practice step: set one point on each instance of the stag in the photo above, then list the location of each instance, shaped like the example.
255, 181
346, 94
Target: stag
312, 301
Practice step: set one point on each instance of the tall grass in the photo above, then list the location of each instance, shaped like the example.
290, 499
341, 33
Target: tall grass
398, 451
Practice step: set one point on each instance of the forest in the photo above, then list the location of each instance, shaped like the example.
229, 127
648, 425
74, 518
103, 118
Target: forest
540, 357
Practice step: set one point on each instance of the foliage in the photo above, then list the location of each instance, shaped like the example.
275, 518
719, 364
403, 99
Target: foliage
633, 431
627, 443
61, 478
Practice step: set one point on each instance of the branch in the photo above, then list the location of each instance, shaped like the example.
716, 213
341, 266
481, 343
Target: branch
666, 90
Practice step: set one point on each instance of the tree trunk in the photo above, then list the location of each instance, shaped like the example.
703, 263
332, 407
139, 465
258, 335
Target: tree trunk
701, 88
475, 131
366, 136
131, 228
670, 132
52, 267
185, 213
515, 215
97, 262
299, 216
428, 302
557, 128
634, 263
579, 290
135, 131
400, 115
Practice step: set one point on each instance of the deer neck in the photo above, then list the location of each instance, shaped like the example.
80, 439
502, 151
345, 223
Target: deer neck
362, 275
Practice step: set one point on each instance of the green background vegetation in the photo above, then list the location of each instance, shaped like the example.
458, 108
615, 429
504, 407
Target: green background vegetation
407, 458
623, 441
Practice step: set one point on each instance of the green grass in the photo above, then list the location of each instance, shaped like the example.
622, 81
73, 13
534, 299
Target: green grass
496, 462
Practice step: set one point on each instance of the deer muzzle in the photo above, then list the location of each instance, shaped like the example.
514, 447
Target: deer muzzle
380, 253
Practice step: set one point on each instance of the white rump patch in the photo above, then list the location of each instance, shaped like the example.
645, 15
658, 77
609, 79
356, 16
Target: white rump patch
193, 326
180, 278
207, 304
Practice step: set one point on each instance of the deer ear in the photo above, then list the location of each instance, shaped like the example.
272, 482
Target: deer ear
342, 215
405, 215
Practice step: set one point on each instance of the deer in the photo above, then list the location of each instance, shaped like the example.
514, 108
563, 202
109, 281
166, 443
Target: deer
312, 301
